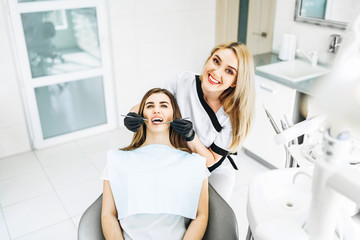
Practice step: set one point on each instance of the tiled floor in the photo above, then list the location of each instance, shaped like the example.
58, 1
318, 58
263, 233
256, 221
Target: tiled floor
43, 193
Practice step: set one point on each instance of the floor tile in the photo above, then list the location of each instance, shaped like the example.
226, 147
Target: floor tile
60, 231
102, 142
115, 140
76, 221
238, 204
4, 235
18, 165
34, 214
79, 197
249, 163
243, 180
70, 173
248, 167
16, 189
60, 154
99, 160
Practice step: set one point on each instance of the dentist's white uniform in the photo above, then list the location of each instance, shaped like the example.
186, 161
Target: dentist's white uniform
213, 129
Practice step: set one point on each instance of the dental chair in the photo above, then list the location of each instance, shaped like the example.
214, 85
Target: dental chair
222, 222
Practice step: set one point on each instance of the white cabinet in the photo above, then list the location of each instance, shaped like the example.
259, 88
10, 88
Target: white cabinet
278, 100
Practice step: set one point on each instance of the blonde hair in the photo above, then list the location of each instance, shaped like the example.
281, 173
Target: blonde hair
239, 102
176, 139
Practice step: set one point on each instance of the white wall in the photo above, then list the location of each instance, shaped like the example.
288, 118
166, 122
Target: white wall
309, 36
151, 41
13, 131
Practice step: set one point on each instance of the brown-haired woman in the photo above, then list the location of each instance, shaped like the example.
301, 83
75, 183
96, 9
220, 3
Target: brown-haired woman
154, 184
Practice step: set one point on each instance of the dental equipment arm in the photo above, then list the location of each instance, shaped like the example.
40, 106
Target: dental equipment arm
301, 128
272, 121
332, 175
338, 97
346, 177
290, 123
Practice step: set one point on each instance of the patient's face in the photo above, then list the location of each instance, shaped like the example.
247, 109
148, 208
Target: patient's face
157, 110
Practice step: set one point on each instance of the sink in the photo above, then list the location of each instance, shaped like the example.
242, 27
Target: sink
295, 70
279, 202
276, 205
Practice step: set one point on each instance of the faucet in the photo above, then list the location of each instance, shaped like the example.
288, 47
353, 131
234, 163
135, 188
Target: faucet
313, 57
335, 42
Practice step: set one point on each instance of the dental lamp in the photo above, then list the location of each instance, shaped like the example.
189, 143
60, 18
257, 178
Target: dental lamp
338, 96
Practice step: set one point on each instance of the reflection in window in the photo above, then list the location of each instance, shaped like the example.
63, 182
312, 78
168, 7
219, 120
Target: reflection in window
61, 41
71, 106
59, 19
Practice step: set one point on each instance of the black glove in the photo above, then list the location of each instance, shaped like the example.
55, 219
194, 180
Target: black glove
133, 121
183, 127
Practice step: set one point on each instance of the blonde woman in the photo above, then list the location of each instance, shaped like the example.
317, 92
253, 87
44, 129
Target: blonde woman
152, 186
220, 105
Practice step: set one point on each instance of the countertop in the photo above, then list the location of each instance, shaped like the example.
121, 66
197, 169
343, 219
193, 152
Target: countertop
268, 58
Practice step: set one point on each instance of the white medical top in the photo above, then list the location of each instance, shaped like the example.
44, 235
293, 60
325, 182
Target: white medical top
155, 189
212, 128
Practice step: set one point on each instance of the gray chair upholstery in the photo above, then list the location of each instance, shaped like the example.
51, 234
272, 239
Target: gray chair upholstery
222, 222
90, 222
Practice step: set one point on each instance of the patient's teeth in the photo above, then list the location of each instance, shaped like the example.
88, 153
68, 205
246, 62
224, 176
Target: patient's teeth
157, 120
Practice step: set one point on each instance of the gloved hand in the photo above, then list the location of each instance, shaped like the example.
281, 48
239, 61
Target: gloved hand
183, 127
133, 121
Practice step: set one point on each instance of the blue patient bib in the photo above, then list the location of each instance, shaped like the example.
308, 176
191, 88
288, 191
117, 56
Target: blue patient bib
156, 179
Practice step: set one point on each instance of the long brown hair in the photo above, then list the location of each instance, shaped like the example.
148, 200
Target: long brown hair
176, 139
239, 102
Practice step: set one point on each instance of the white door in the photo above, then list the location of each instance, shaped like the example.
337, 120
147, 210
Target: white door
64, 67
260, 26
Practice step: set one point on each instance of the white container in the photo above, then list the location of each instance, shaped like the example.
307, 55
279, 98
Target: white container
292, 47
288, 47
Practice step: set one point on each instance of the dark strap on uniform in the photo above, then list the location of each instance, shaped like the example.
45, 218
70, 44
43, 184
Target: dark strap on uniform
218, 150
232, 162
217, 164
209, 111
224, 154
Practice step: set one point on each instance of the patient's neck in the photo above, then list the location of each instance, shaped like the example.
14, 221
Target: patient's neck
157, 138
